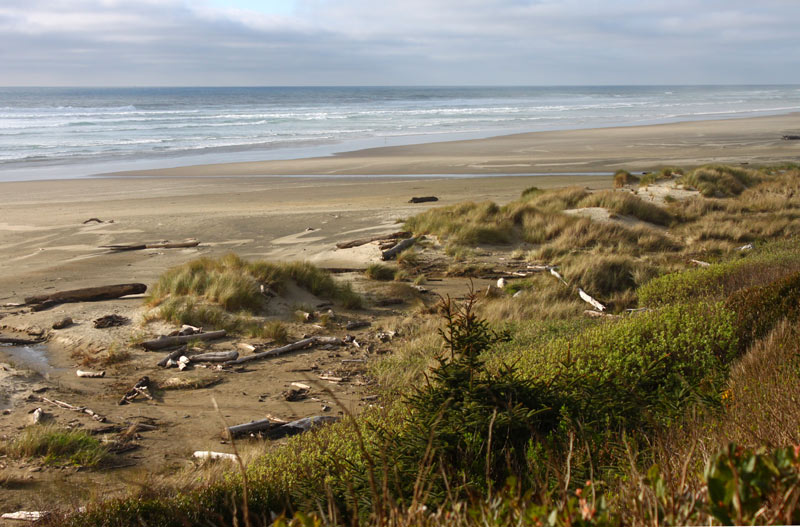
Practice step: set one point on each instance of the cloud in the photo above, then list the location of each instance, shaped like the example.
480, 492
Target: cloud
171, 42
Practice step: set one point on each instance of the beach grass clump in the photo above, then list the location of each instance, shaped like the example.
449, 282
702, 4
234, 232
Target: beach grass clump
236, 285
719, 180
629, 205
57, 446
557, 199
623, 177
464, 224
602, 275
376, 271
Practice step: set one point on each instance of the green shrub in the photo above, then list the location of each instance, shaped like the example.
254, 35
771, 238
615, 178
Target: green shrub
57, 446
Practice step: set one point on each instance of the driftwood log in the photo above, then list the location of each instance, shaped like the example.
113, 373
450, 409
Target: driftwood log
153, 245
168, 342
253, 426
89, 294
380, 238
300, 344
91, 374
423, 199
275, 429
700, 263
25, 516
397, 249
140, 388
215, 356
19, 342
207, 454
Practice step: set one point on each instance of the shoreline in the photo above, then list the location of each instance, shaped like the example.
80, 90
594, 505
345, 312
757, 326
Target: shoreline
756, 140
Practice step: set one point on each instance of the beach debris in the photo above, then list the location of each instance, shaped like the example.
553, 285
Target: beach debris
166, 244
517, 294
423, 199
25, 516
355, 324
63, 323
244, 346
167, 342
172, 356
37, 415
385, 336
699, 263
207, 454
182, 383
140, 388
183, 362
295, 394
380, 238
260, 425
88, 294
389, 254
331, 378
110, 321
300, 344
97, 220
586, 298
91, 374
303, 316
554, 272
383, 302
501, 283
302, 425
791, 138
186, 329
82, 409
746, 247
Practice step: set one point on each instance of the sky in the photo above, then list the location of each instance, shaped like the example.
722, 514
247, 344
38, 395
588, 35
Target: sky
390, 42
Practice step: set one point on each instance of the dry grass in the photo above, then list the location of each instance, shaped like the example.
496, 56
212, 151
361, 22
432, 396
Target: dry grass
629, 205
719, 180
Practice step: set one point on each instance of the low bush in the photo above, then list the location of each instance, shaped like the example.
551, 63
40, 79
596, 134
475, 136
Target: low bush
376, 271
623, 178
719, 180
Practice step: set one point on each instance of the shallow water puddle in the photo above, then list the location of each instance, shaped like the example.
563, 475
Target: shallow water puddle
32, 357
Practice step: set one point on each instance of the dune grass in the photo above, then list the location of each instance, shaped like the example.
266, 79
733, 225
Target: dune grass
57, 446
719, 180
629, 205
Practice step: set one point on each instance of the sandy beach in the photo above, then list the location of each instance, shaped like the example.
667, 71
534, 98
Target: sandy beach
249, 209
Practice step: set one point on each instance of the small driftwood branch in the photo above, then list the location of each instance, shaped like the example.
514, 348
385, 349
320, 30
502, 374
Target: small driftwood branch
36, 416
397, 249
91, 374
140, 388
380, 238
700, 263
89, 294
300, 344
253, 426
168, 342
586, 298
82, 409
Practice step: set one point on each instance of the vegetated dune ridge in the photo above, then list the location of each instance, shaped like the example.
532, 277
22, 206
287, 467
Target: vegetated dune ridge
593, 393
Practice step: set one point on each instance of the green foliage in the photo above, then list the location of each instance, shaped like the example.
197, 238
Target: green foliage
759, 309
761, 265
751, 487
57, 446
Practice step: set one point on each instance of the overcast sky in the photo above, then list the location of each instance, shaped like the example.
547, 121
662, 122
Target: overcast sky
391, 42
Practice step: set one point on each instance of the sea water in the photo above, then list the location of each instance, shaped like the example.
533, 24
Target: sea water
74, 132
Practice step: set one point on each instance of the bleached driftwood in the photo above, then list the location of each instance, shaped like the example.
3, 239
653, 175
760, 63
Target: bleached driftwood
88, 294
167, 342
379, 238
91, 374
207, 454
700, 263
554, 272
586, 298
25, 516
598, 314
82, 409
300, 344
397, 249
215, 356
36, 416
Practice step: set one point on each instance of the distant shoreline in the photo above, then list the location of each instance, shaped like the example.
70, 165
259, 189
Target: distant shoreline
750, 140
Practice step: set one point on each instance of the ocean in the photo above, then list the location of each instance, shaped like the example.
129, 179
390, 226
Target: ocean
75, 132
